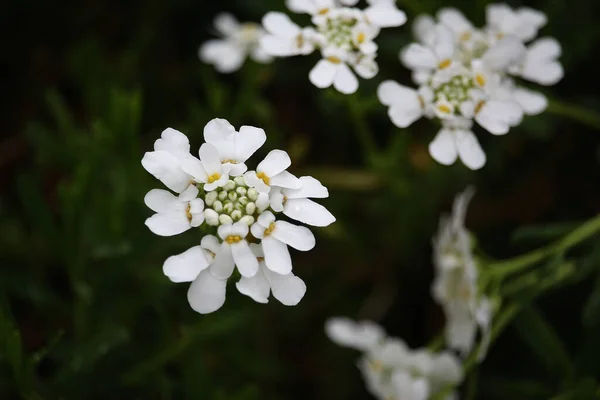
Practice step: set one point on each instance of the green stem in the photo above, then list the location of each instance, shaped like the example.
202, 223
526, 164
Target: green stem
437, 343
575, 112
517, 264
365, 135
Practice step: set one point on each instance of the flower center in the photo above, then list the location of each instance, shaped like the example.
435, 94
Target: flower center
233, 239
232, 202
263, 177
445, 63
214, 177
337, 31
454, 92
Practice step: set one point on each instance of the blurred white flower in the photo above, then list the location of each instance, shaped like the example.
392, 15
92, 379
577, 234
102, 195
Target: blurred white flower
344, 34
464, 76
237, 42
455, 286
219, 194
391, 370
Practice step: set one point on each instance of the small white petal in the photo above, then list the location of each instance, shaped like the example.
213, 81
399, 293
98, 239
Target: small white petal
159, 200
504, 53
256, 287
218, 132
277, 255
186, 266
288, 289
253, 181
443, 147
417, 56
194, 169
226, 24
454, 19
174, 142
209, 155
226, 56
247, 141
469, 149
210, 243
532, 103
274, 163
262, 202
498, 116
323, 74
207, 293
244, 258
280, 24
385, 15
301, 6
422, 27
166, 168
311, 188
361, 336
266, 218
189, 194
285, 179
299, 237
276, 199
308, 212
223, 265
168, 224
345, 81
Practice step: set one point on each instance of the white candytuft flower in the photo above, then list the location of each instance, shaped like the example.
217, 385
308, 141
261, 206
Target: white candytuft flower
239, 207
390, 369
455, 286
343, 33
238, 41
465, 75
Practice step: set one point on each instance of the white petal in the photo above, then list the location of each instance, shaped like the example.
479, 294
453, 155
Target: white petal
391, 92
209, 155
257, 230
447, 368
244, 259
422, 27
166, 168
504, 53
417, 56
299, 237
444, 45
498, 116
277, 255
288, 289
301, 6
496, 13
207, 293
323, 74
194, 168
385, 15
454, 19
361, 336
225, 230
469, 149
223, 265
226, 56
274, 163
546, 48
174, 142
262, 203
404, 114
280, 24
278, 46
159, 200
186, 266
189, 194
408, 387
308, 212
168, 224
311, 188
285, 179
210, 243
266, 218
543, 72
252, 181
247, 141
218, 132
226, 24
532, 103
256, 287
443, 147
276, 199
239, 229
367, 68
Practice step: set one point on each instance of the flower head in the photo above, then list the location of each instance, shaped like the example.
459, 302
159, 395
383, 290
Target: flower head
238, 41
464, 76
219, 194
344, 34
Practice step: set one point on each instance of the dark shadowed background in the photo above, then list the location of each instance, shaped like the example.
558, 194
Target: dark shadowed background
85, 310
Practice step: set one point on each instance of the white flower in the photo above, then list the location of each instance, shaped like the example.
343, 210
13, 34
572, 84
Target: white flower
288, 288
456, 283
407, 387
233, 251
523, 23
362, 335
272, 172
406, 105
276, 236
540, 63
174, 215
457, 141
532, 102
334, 70
295, 203
208, 169
284, 37
233, 147
164, 163
238, 41
438, 54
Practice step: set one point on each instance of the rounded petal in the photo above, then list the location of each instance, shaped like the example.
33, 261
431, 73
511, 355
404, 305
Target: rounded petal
252, 181
345, 81
498, 116
285, 180
311, 187
274, 163
308, 212
408, 387
210, 243
186, 266
288, 289
532, 103
454, 19
391, 92
223, 265
256, 287
546, 48
165, 167
244, 258
323, 74
209, 155
443, 147
361, 336
174, 142
194, 169
385, 15
417, 56
279, 24
276, 199
247, 141
159, 200
277, 255
226, 56
469, 149
301, 6
207, 293
168, 224
422, 27
226, 24
299, 237
505, 52
218, 132
190, 194
543, 72
265, 219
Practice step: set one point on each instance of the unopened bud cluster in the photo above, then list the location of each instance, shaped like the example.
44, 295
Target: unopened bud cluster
231, 203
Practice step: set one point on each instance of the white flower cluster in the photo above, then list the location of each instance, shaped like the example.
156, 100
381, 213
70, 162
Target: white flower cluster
237, 42
465, 74
455, 287
217, 192
391, 370
343, 33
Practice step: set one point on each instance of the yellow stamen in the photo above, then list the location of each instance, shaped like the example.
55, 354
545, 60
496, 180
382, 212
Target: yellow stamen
270, 229
263, 177
299, 41
480, 80
444, 108
376, 365
421, 101
284, 199
323, 11
500, 35
444, 63
229, 161
334, 59
188, 213
260, 259
214, 177
233, 239
479, 106
361, 38
465, 36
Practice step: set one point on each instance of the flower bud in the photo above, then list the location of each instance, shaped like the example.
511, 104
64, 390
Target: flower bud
252, 194
243, 200
222, 195
228, 208
241, 191
225, 219
250, 208
240, 207
230, 185
211, 217
218, 206
210, 198
236, 215
248, 220
240, 181
232, 196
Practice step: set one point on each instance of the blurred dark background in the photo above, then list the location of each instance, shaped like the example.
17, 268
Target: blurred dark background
85, 311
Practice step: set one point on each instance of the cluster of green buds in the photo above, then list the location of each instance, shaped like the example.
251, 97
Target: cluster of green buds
233, 202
